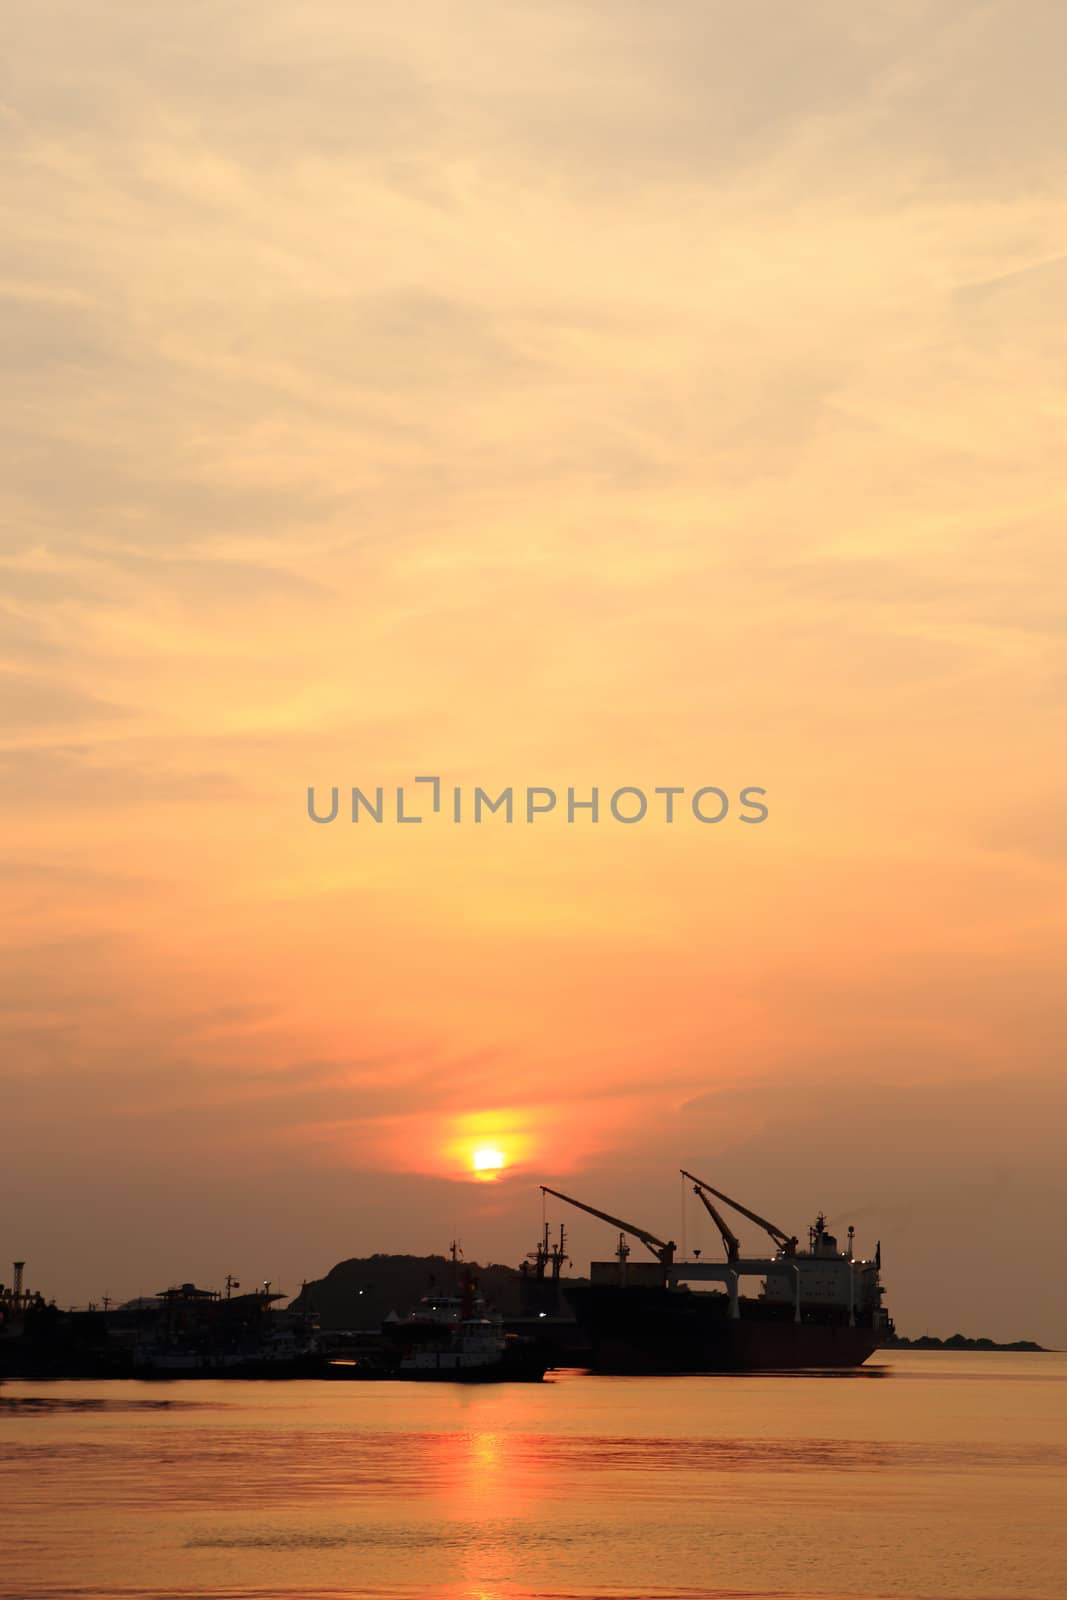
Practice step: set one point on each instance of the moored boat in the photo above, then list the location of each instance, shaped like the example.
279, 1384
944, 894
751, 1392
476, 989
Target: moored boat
476, 1350
456, 1339
815, 1308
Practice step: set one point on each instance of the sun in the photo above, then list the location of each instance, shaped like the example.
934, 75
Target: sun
487, 1161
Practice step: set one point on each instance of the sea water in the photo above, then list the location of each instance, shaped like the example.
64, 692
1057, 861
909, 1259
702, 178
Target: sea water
924, 1474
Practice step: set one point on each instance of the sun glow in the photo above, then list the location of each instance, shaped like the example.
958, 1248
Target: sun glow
487, 1161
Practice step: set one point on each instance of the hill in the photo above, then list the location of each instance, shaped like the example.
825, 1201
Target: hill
361, 1292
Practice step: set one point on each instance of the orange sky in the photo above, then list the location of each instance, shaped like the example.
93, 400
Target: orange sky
569, 394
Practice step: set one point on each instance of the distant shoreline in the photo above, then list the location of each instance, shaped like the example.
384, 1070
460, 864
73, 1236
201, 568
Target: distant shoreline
957, 1342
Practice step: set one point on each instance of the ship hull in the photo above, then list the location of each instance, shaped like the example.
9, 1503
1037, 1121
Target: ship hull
491, 1372
640, 1330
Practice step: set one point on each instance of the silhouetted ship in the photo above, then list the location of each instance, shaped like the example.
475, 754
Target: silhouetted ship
447, 1338
819, 1307
201, 1333
182, 1332
457, 1339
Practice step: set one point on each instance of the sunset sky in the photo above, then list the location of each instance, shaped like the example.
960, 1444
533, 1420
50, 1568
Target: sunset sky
546, 394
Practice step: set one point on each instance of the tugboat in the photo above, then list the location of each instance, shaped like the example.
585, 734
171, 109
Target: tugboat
454, 1339
820, 1307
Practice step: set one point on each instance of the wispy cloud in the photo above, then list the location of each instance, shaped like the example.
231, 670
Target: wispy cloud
560, 394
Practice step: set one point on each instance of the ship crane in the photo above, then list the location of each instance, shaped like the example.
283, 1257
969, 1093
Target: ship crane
787, 1243
729, 1238
663, 1250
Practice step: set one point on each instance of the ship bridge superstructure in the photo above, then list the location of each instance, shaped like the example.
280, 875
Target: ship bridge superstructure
821, 1277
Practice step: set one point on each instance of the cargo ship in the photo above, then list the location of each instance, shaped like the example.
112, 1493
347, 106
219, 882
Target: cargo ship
814, 1308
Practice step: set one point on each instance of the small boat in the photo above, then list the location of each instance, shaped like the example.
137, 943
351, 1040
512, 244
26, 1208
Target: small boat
456, 1339
472, 1350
